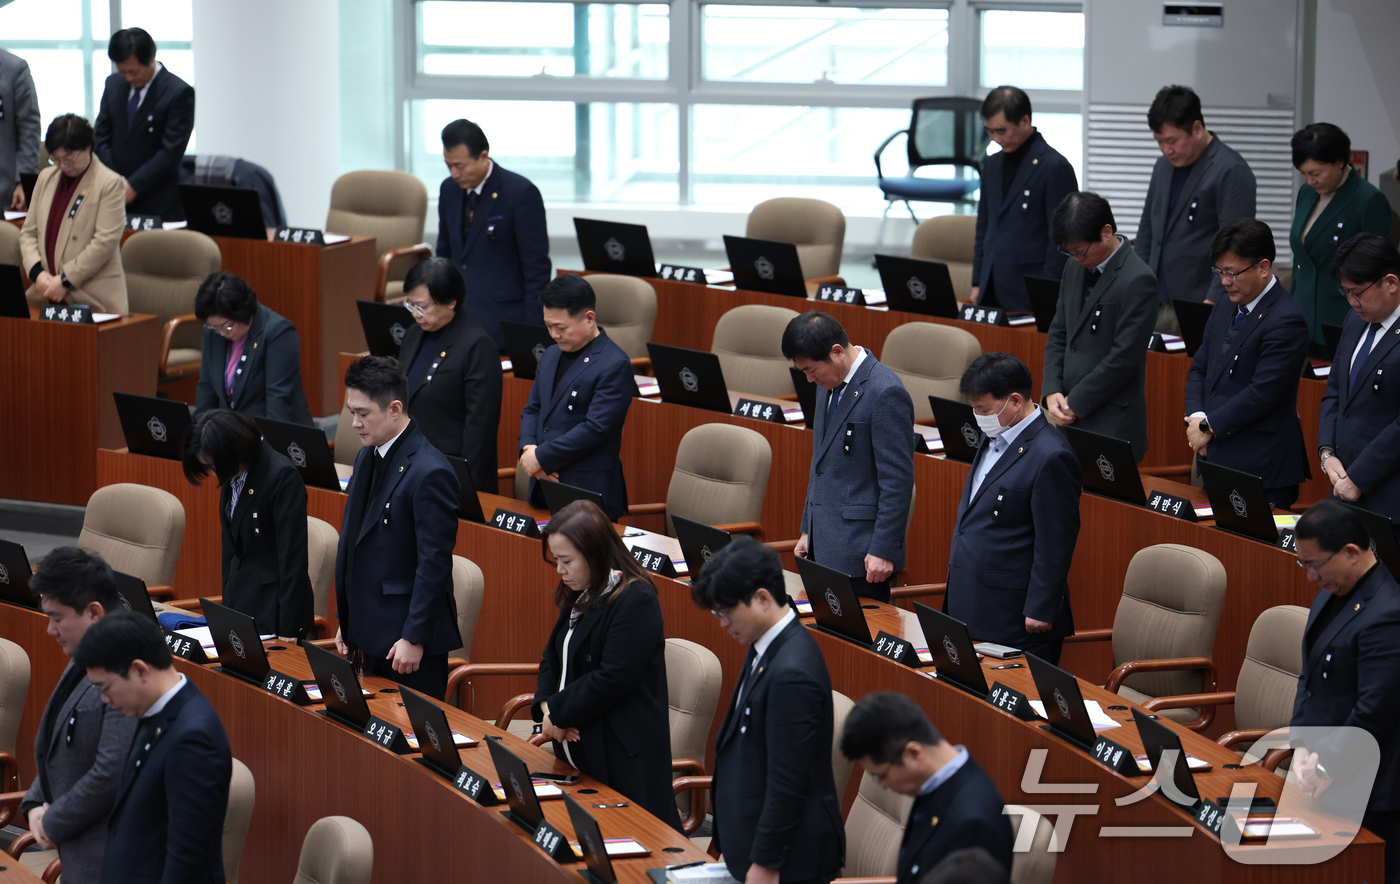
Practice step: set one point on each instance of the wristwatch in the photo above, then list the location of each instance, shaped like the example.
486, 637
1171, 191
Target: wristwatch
63, 278
1204, 426
1323, 461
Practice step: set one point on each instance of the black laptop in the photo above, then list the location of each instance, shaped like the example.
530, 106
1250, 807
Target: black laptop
1331, 336
1382, 532
340, 687
12, 300
699, 542
953, 654
689, 377
1109, 466
764, 265
1238, 502
1160, 741
557, 495
433, 733
1044, 293
223, 211
614, 247
916, 286
590, 841
834, 602
131, 592
152, 426
522, 805
306, 448
241, 651
525, 343
468, 505
1063, 702
806, 396
1192, 316
384, 325
14, 576
957, 428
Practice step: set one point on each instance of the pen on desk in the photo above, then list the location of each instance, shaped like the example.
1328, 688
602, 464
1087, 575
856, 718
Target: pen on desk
619, 804
685, 866
1008, 666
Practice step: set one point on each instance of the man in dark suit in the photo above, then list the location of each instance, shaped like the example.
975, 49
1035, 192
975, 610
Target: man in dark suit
491, 224
393, 566
956, 804
1096, 350
81, 745
143, 125
571, 428
776, 809
1021, 186
1197, 185
1358, 433
1351, 673
21, 130
861, 482
1018, 519
180, 754
1242, 389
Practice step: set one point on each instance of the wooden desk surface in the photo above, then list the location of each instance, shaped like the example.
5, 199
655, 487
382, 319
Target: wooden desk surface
12, 872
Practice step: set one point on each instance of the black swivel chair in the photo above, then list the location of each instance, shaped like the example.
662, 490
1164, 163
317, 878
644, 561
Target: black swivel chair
942, 132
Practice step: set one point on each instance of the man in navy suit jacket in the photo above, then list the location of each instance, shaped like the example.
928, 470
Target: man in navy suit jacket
1018, 519
393, 566
1242, 389
1358, 435
143, 125
1021, 186
180, 753
571, 428
1351, 671
491, 224
956, 804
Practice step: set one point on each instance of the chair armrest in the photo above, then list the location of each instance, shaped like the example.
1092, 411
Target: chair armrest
1249, 735
1186, 701
164, 593
926, 422
781, 545
326, 643
698, 786
646, 509
879, 173
687, 766
191, 604
1089, 635
168, 335
1275, 758
381, 281
752, 528
786, 397
833, 279
463, 673
539, 740
505, 472
1181, 469
641, 362
917, 590
1170, 664
9, 808
514, 705
318, 629
21, 844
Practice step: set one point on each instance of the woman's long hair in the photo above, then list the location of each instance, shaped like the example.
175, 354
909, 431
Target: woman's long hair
588, 529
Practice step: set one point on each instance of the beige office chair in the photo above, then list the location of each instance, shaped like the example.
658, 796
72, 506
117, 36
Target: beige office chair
390, 206
138, 530
1164, 631
241, 794
321, 542
164, 269
874, 830
337, 850
693, 682
1035, 849
930, 360
720, 478
9, 244
817, 228
951, 239
748, 341
14, 686
468, 591
627, 312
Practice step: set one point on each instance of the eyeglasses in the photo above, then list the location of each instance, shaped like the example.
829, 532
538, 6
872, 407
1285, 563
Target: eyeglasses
69, 158
1356, 295
221, 329
1315, 566
1229, 276
415, 309
1081, 255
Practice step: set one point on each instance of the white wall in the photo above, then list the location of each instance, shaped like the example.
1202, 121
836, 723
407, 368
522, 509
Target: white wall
269, 78
1357, 75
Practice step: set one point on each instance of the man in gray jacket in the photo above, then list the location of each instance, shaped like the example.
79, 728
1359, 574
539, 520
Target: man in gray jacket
20, 129
82, 744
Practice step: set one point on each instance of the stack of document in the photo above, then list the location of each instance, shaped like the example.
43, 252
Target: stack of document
709, 873
1097, 716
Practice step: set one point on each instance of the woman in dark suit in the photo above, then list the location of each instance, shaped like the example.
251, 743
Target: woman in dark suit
262, 509
454, 370
601, 694
1334, 204
251, 358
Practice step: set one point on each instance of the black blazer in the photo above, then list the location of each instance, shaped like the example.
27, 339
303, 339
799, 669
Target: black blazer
615, 696
775, 802
1351, 676
149, 153
456, 396
1248, 388
265, 558
268, 382
184, 754
965, 811
1011, 553
1362, 425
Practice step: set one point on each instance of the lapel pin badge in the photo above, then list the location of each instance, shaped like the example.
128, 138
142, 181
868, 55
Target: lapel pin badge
1358, 607
493, 196
933, 821
443, 353
400, 469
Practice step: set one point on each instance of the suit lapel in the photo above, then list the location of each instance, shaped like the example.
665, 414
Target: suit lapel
62, 714
1383, 345
443, 347
1013, 453
147, 104
832, 423
1351, 608
756, 677
250, 354
409, 351
65, 227
1325, 224
1242, 331
396, 468
245, 503
486, 205
584, 361
1110, 273
160, 725
1193, 180
1023, 175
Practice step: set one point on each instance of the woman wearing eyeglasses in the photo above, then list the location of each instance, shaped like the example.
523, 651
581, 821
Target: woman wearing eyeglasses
454, 370
251, 358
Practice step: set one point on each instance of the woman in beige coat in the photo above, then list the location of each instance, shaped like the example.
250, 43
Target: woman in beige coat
70, 243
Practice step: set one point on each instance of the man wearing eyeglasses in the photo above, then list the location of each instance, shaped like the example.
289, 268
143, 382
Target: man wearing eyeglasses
1358, 435
1242, 389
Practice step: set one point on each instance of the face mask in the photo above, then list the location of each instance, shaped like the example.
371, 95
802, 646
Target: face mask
990, 424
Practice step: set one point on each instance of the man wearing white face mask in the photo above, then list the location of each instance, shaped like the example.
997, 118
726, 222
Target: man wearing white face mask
1018, 519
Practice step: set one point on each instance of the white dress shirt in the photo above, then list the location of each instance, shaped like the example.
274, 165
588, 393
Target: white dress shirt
1386, 325
860, 357
760, 647
944, 773
999, 445
383, 450
165, 698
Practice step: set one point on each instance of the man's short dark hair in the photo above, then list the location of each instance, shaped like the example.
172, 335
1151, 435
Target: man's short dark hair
1366, 257
1009, 101
75, 579
881, 725
1177, 106
1332, 524
1080, 217
812, 335
381, 378
997, 375
69, 132
467, 133
738, 571
1322, 143
1247, 237
120, 639
230, 439
131, 41
226, 295
443, 279
968, 865
569, 292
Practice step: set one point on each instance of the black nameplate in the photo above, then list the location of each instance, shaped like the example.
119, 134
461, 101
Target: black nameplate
475, 786
1115, 756
839, 294
760, 411
279, 684
143, 222
515, 523
654, 561
79, 313
982, 315
387, 735
681, 274
184, 647
897, 649
1287, 540
1156, 344
1171, 505
553, 842
1210, 815
920, 443
1014, 702
304, 236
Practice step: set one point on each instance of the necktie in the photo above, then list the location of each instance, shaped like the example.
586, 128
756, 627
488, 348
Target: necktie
749, 660
1361, 355
1091, 279
834, 397
472, 199
1241, 311
143, 734
132, 106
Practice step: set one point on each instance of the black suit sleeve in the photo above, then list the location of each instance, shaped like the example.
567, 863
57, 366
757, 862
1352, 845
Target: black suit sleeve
634, 630
1062, 183
102, 129
1053, 378
793, 720
205, 396
283, 374
197, 773
481, 406
294, 603
1055, 513
1122, 363
435, 522
164, 164
532, 244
